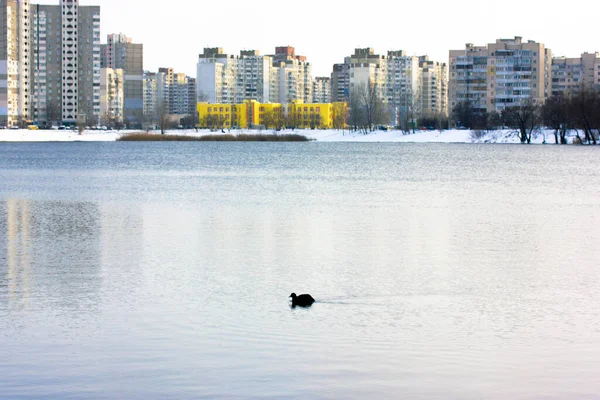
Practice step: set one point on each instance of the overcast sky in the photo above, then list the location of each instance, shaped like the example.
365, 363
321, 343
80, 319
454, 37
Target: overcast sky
174, 32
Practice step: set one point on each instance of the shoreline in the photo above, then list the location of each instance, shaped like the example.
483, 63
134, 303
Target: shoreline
391, 136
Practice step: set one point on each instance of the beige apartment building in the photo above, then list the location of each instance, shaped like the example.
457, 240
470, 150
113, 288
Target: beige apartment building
569, 75
112, 96
504, 74
120, 52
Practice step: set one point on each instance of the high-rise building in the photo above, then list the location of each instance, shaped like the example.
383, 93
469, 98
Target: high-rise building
150, 95
294, 76
322, 90
217, 76
120, 53
501, 75
176, 92
570, 75
15, 62
340, 81
434, 87
66, 63
112, 96
282, 77
407, 85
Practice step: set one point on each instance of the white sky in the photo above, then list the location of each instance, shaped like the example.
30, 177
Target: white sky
174, 32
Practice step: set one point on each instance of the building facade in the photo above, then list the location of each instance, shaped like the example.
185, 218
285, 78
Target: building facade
279, 78
434, 88
340, 81
15, 62
176, 92
112, 97
252, 114
121, 53
406, 85
150, 96
322, 90
66, 63
501, 75
569, 75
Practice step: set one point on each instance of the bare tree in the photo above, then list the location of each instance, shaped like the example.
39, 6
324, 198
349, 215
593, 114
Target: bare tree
340, 111
555, 114
163, 117
525, 118
410, 109
585, 113
356, 115
373, 106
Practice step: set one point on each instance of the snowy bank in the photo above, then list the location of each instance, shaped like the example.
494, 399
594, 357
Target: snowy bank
448, 136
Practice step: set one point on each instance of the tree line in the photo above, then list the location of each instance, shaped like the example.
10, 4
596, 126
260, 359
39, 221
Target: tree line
578, 112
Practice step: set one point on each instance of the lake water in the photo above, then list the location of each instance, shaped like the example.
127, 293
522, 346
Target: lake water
162, 271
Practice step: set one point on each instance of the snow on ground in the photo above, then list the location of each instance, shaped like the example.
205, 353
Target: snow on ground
449, 136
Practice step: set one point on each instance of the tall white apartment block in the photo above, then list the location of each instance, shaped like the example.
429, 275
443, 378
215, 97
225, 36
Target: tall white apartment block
501, 75
15, 62
216, 76
402, 82
295, 82
253, 77
322, 90
279, 78
150, 95
70, 62
434, 87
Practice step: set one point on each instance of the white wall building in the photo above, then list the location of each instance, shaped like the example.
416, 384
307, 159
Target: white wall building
112, 96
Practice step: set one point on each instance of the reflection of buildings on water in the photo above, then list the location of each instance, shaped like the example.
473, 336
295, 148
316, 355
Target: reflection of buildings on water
17, 222
52, 252
121, 242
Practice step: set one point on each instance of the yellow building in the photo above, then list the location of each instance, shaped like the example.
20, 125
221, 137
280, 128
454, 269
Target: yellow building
252, 114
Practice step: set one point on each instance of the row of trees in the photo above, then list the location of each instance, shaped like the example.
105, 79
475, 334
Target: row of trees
367, 110
578, 113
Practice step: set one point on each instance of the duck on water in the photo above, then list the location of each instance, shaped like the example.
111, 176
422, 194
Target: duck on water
304, 300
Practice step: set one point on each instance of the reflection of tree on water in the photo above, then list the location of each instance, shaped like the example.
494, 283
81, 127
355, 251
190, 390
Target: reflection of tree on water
53, 256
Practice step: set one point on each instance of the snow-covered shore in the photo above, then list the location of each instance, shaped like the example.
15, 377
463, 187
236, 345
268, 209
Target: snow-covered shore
448, 136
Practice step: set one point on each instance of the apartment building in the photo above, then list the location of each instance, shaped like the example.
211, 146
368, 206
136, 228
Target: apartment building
404, 83
121, 53
66, 63
217, 76
112, 96
322, 90
507, 73
176, 92
340, 81
15, 62
434, 87
282, 77
150, 95
295, 82
569, 75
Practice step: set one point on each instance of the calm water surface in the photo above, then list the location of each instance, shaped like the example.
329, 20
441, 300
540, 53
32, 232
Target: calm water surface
162, 270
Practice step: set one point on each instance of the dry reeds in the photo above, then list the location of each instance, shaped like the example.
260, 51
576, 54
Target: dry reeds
154, 137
